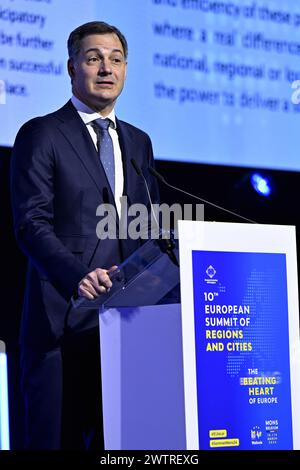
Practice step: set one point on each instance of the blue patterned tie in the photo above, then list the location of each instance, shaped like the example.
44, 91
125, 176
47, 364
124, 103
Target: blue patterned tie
105, 149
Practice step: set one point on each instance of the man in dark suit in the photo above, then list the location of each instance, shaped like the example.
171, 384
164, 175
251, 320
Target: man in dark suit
57, 183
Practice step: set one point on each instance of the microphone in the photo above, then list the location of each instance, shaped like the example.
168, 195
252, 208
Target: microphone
166, 244
140, 173
162, 179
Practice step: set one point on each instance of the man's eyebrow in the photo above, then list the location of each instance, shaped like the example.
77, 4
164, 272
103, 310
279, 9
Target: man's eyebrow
96, 49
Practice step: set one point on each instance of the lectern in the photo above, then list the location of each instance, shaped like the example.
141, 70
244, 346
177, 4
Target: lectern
216, 367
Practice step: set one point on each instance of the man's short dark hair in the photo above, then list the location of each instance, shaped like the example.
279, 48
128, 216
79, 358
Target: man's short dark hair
93, 27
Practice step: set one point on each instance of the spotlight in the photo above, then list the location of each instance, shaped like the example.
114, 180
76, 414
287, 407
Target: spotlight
261, 184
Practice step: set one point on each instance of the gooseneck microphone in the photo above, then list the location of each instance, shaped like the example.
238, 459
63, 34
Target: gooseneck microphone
166, 244
162, 179
140, 173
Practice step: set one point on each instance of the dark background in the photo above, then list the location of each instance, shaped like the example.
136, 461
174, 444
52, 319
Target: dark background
226, 186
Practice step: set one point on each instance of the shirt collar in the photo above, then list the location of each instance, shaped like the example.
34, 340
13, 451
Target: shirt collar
88, 115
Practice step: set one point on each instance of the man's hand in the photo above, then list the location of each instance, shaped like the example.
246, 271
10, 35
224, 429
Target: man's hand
95, 283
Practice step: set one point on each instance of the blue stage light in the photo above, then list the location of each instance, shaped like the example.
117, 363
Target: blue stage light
261, 184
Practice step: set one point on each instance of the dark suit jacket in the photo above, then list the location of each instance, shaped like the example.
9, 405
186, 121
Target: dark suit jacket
57, 182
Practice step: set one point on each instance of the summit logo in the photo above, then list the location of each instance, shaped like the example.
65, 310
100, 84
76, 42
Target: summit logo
211, 272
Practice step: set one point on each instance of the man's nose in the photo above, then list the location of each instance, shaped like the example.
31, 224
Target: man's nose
105, 67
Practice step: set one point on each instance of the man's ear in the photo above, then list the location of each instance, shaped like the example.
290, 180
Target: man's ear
71, 69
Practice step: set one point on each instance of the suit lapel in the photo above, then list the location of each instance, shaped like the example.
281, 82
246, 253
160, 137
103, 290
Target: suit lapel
75, 131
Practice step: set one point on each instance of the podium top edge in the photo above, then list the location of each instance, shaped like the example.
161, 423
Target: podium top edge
215, 222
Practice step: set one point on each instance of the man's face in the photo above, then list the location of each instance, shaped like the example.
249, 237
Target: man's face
98, 72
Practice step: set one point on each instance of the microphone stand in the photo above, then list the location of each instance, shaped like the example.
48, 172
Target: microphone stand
166, 244
162, 179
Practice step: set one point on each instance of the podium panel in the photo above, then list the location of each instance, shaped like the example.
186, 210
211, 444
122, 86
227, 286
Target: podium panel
141, 350
142, 378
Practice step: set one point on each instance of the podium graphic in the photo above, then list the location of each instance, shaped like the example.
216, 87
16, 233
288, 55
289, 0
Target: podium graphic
240, 317
205, 357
